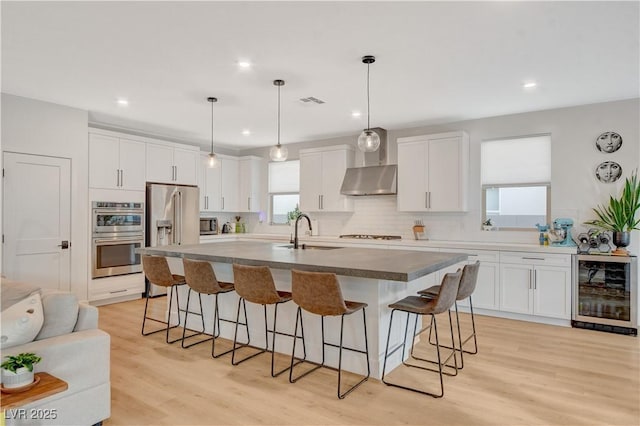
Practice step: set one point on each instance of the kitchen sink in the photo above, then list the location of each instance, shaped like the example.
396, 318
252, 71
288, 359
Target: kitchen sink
309, 247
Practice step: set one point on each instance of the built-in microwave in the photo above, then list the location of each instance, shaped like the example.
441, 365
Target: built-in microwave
208, 225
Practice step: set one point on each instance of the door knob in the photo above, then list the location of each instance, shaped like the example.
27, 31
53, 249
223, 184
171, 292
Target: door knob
64, 244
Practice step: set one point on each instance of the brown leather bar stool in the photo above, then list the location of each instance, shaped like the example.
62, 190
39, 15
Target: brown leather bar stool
466, 289
157, 271
255, 284
202, 280
424, 306
320, 294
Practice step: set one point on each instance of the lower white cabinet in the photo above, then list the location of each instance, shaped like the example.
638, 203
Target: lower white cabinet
130, 286
537, 289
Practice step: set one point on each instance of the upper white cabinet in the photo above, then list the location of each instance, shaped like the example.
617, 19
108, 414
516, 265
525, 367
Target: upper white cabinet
116, 163
219, 186
249, 182
321, 173
531, 283
170, 163
433, 172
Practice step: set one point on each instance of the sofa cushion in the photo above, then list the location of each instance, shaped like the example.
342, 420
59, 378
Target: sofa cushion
12, 292
60, 313
21, 322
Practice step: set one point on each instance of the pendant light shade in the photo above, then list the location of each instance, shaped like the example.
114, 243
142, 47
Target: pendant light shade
213, 159
368, 141
278, 152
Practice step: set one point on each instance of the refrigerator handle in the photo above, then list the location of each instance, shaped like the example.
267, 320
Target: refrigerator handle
179, 216
174, 202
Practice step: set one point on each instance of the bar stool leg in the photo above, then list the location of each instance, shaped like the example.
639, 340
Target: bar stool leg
216, 322
195, 333
366, 344
146, 317
235, 335
293, 352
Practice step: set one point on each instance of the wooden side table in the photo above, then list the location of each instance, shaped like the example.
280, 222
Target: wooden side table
49, 385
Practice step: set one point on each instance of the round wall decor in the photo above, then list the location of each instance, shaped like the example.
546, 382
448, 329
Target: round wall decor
609, 142
608, 171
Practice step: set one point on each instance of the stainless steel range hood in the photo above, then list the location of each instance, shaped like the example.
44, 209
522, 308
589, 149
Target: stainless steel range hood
376, 177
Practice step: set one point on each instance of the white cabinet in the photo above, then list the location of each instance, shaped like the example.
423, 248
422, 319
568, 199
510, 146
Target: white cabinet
229, 185
486, 293
219, 186
209, 184
321, 173
172, 164
536, 284
116, 163
433, 172
249, 184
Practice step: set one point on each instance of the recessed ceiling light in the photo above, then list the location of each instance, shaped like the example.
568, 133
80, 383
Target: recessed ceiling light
244, 65
246, 132
529, 84
122, 102
356, 114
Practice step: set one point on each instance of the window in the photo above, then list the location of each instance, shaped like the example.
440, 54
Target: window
516, 181
284, 190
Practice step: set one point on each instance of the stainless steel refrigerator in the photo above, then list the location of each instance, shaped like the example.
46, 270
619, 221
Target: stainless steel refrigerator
172, 218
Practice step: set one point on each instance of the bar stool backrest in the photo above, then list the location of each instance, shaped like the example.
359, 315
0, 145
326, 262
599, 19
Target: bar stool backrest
255, 284
448, 292
317, 292
157, 271
200, 277
468, 280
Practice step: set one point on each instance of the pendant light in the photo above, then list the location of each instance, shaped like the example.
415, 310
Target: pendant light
368, 141
278, 152
213, 160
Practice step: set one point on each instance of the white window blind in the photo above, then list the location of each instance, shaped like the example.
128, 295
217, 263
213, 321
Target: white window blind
516, 161
284, 177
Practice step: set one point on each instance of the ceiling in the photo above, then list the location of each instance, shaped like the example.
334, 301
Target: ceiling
436, 62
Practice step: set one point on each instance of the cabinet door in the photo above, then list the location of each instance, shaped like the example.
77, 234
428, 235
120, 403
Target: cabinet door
516, 288
334, 165
444, 174
212, 187
310, 181
202, 185
486, 294
186, 166
132, 164
249, 200
552, 292
103, 162
229, 185
160, 164
412, 177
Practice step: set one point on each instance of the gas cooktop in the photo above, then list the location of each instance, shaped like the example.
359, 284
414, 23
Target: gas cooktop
372, 237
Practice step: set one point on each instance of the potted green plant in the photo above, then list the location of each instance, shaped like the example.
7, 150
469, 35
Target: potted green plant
619, 216
487, 225
293, 215
17, 370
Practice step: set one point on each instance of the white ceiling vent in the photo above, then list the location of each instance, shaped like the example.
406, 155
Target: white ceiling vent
311, 99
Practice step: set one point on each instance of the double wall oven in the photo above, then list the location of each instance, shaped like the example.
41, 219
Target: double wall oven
118, 229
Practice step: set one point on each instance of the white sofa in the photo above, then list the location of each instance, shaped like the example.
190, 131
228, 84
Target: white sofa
81, 358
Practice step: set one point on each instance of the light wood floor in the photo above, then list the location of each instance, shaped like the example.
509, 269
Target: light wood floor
524, 374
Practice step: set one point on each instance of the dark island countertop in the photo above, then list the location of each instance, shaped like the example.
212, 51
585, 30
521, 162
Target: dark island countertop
384, 264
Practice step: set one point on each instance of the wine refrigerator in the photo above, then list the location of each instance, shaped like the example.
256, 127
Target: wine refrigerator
605, 293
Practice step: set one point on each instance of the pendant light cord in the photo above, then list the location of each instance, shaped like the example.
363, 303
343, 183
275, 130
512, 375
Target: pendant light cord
278, 115
211, 127
368, 113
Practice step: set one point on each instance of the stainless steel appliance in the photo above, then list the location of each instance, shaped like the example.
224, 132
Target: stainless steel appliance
173, 217
605, 293
118, 229
208, 225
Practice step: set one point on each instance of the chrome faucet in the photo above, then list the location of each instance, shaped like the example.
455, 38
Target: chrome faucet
295, 239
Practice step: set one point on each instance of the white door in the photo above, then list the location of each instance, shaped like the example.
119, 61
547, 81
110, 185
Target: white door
37, 220
412, 177
334, 164
186, 166
516, 287
104, 164
160, 164
132, 165
229, 174
310, 181
552, 292
444, 175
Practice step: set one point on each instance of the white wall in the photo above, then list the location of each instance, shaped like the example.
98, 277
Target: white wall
34, 127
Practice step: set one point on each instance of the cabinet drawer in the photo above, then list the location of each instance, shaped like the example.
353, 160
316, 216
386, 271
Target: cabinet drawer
123, 285
481, 255
536, 258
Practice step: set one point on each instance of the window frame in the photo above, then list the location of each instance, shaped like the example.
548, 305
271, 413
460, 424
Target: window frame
516, 185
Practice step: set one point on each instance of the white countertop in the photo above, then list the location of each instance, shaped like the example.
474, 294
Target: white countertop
472, 245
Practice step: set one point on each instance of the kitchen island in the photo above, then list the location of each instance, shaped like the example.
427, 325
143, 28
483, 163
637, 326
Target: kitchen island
377, 277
